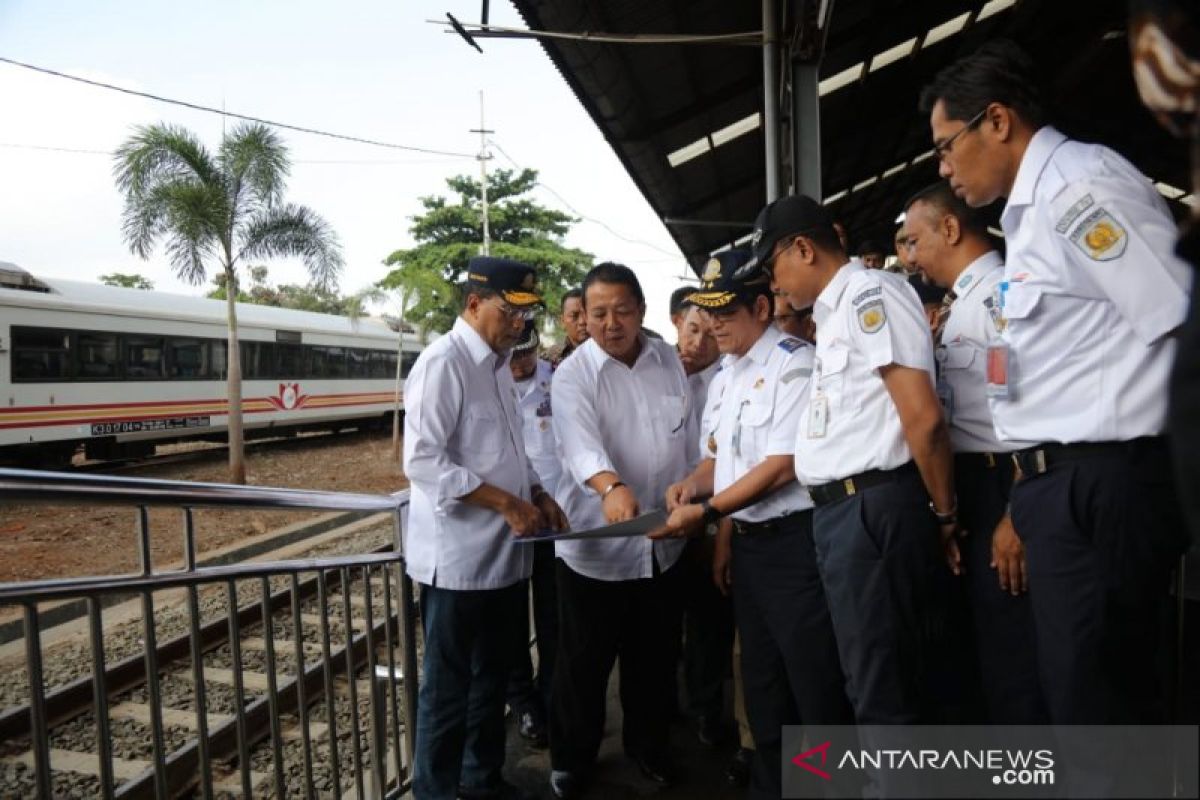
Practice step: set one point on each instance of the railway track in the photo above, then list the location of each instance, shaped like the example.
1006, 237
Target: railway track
286, 682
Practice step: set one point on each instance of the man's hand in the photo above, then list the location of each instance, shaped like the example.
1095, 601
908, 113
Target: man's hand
723, 557
680, 494
552, 516
684, 521
524, 518
950, 533
620, 505
1008, 558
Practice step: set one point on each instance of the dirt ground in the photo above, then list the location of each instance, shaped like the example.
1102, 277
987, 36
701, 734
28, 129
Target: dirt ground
42, 541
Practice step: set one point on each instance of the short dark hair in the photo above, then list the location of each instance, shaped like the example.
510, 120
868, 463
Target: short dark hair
944, 200
679, 299
466, 289
998, 72
611, 272
869, 247
567, 295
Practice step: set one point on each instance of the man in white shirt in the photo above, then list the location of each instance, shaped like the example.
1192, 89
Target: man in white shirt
873, 449
472, 490
1091, 298
530, 698
624, 425
790, 668
952, 249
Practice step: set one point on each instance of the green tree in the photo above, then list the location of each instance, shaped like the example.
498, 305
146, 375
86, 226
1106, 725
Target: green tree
126, 280
309, 297
449, 233
223, 210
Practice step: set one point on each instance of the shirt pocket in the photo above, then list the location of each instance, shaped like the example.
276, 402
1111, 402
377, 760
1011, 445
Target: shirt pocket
671, 413
833, 376
958, 357
483, 432
1021, 301
750, 439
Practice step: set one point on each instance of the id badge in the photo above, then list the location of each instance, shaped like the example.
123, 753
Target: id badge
818, 416
997, 370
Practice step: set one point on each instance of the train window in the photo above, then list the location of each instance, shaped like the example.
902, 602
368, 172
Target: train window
216, 351
41, 354
383, 364
357, 365
328, 362
188, 358
96, 356
407, 363
289, 361
144, 356
258, 360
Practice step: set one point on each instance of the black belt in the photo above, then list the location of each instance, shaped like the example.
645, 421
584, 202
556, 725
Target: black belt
831, 492
773, 525
1039, 459
980, 460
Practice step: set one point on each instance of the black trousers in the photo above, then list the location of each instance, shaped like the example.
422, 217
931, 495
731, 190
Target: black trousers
708, 631
790, 669
599, 621
879, 556
524, 692
1102, 535
1184, 421
1002, 624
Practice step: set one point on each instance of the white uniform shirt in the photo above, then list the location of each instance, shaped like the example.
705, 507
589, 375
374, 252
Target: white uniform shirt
1093, 289
698, 387
636, 422
756, 416
973, 325
537, 416
866, 319
461, 430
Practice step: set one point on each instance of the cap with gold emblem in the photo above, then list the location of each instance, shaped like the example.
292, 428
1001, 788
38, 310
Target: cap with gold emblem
512, 280
719, 287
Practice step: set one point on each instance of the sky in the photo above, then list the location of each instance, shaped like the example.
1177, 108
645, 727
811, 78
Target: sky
375, 70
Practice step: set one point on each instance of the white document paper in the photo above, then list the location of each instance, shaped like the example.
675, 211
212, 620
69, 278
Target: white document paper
638, 526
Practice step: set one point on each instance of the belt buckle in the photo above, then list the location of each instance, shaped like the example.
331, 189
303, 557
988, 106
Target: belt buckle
848, 485
990, 460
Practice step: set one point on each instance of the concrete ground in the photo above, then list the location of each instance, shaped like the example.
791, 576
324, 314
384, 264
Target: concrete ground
616, 777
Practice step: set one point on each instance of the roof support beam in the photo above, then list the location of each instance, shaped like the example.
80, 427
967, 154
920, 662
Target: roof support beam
770, 10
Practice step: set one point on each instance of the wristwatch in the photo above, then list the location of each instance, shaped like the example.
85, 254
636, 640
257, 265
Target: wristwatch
708, 514
946, 518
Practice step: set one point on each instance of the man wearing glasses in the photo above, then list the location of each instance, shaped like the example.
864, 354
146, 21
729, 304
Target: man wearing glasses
473, 489
790, 669
1092, 296
625, 429
874, 451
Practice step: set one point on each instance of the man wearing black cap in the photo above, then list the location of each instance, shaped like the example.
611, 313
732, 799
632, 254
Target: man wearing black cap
790, 668
873, 449
462, 438
528, 698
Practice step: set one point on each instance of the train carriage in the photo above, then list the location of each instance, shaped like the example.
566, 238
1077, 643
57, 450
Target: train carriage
120, 370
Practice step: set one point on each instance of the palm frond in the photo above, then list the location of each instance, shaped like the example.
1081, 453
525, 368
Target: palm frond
294, 230
161, 153
256, 162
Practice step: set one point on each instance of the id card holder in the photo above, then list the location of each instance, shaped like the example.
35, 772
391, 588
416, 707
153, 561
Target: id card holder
998, 363
818, 416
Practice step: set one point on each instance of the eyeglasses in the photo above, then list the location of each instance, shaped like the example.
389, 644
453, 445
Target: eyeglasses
942, 148
513, 314
769, 263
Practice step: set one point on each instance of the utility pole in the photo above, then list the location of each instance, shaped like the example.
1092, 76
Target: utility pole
483, 157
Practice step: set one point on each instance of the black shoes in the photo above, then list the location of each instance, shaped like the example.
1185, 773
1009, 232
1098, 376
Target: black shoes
738, 772
532, 728
565, 785
658, 770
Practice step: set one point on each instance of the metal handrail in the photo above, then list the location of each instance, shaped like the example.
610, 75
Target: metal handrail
28, 485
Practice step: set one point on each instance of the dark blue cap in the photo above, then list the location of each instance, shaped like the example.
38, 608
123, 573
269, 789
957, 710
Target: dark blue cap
720, 283
512, 280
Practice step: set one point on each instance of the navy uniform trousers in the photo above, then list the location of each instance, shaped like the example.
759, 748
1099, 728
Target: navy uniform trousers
637, 620
790, 669
1002, 623
460, 704
708, 631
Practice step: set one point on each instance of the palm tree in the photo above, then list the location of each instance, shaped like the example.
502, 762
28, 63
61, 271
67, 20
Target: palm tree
223, 209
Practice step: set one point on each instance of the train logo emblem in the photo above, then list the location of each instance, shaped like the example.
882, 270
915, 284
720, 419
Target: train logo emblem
288, 398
